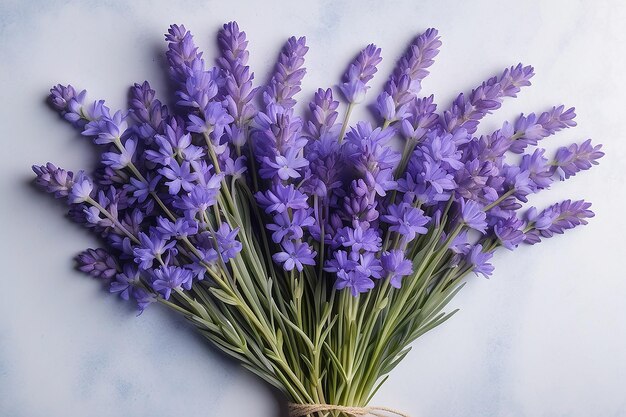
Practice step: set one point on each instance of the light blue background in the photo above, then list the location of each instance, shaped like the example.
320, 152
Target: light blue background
546, 336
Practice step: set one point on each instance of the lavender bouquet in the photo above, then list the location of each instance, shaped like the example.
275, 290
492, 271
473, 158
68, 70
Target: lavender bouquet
309, 248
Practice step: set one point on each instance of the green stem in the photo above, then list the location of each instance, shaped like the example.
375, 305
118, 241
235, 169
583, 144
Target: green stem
346, 120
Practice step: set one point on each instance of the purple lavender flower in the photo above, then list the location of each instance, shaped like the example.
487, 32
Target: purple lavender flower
71, 106
233, 44
426, 181
182, 55
363, 143
276, 130
180, 192
466, 113
479, 261
147, 111
120, 160
355, 281
359, 73
280, 198
284, 167
369, 266
152, 247
288, 74
282, 228
405, 83
556, 219
206, 255
125, 282
108, 129
575, 158
360, 205
444, 148
200, 198
421, 117
473, 215
174, 142
179, 176
387, 109
66, 101
288, 226
163, 154
347, 275
140, 189
98, 263
340, 262
142, 96
418, 57
323, 114
367, 150
199, 90
509, 232
61, 95
528, 130
518, 180
396, 266
359, 239
214, 120
459, 245
54, 180
235, 167
143, 298
81, 188
227, 241
238, 90
538, 168
168, 278
181, 227
407, 221
295, 255
325, 164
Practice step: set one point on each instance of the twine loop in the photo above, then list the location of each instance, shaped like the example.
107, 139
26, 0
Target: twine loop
301, 410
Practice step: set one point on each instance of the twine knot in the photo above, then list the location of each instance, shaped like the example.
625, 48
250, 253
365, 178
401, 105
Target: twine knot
301, 410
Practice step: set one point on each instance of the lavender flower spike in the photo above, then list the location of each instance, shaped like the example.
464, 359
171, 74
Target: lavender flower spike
98, 263
67, 102
285, 82
406, 81
238, 90
414, 63
530, 129
466, 113
359, 73
556, 219
232, 43
54, 180
182, 54
323, 114
575, 158
147, 111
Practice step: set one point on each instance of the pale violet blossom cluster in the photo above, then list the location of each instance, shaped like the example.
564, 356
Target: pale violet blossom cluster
230, 178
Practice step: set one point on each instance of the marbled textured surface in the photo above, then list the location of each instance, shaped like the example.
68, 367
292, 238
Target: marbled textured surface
546, 336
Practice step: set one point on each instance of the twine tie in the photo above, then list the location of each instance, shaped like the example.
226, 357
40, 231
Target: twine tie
301, 410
